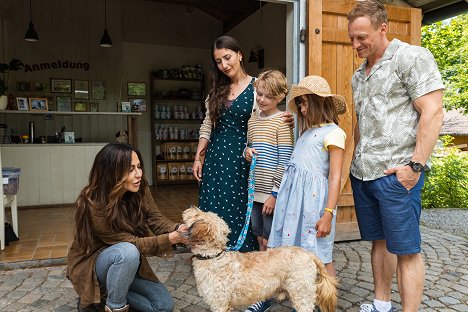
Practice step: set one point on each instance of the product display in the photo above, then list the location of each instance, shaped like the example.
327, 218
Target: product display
177, 110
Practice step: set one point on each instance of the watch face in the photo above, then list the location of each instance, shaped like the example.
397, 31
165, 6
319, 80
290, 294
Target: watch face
418, 167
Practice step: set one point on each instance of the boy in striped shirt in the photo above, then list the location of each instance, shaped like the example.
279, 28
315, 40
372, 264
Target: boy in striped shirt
272, 140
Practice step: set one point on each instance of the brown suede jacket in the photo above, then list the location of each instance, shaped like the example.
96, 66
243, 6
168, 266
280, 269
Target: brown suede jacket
81, 266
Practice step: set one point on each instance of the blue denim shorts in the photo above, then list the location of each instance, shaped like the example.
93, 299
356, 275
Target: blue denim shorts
386, 210
261, 223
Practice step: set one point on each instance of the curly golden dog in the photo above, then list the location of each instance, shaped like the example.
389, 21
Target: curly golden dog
228, 279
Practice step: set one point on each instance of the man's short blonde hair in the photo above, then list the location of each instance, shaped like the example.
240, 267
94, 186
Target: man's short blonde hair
374, 9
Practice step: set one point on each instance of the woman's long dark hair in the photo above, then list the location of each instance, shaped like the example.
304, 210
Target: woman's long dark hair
123, 210
220, 83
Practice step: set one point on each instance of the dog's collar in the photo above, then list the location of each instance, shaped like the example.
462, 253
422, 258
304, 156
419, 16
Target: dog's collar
209, 257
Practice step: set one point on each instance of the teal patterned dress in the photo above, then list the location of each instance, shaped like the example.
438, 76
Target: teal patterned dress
225, 172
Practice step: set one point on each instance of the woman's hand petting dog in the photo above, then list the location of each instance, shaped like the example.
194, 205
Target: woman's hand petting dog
179, 236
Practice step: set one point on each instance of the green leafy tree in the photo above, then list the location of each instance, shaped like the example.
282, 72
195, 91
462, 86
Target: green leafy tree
446, 185
448, 42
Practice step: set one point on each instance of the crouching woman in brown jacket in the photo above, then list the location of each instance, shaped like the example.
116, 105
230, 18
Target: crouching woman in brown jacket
117, 226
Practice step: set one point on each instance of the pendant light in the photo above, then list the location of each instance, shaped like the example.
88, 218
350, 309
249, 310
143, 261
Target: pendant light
31, 34
106, 41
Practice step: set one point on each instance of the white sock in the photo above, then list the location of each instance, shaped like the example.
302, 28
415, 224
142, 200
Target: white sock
382, 306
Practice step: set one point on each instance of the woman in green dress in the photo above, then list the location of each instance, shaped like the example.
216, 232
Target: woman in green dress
219, 165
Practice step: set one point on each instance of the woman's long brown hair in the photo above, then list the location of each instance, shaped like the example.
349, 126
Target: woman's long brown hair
123, 210
220, 83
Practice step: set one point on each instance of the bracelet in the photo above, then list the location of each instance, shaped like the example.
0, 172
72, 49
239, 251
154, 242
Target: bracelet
197, 160
274, 194
332, 211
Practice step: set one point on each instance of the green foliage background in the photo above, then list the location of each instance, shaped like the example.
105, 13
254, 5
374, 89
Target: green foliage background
446, 185
448, 42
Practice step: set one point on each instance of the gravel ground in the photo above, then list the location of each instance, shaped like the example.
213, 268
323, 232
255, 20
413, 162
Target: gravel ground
451, 220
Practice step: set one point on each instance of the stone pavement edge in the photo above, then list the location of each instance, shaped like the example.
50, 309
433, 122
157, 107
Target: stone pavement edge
446, 285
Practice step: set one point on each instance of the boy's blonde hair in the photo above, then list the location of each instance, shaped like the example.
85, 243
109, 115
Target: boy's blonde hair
374, 9
275, 83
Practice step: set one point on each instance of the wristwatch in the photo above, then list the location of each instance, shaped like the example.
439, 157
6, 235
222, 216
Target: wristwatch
418, 167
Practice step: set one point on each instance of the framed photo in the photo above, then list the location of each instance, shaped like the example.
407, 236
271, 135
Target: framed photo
126, 108
41, 86
51, 103
38, 104
93, 106
81, 89
22, 103
23, 86
98, 90
69, 137
138, 105
60, 85
64, 103
80, 107
136, 88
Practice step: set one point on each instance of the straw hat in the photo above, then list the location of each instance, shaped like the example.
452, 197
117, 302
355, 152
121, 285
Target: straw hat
319, 86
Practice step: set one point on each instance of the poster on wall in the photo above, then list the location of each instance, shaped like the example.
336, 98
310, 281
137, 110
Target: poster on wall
60, 85
136, 88
64, 103
81, 89
98, 90
138, 105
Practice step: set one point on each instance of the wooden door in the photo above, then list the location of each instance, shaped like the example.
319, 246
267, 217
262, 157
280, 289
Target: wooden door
331, 56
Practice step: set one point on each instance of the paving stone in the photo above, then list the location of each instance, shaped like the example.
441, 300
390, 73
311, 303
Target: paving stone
47, 289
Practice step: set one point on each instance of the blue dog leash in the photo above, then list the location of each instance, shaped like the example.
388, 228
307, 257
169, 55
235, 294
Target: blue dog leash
251, 193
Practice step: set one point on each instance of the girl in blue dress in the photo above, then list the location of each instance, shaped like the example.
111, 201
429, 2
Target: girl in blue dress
305, 211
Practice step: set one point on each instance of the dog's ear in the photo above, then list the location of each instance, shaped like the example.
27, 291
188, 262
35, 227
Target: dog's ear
199, 232
190, 215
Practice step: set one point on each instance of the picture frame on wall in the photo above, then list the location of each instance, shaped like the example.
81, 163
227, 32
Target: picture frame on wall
136, 88
81, 89
51, 103
69, 137
126, 108
93, 106
22, 103
98, 90
23, 86
60, 85
138, 105
80, 106
38, 104
64, 103
41, 86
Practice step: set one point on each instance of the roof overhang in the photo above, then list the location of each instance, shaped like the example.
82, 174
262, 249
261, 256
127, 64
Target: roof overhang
437, 10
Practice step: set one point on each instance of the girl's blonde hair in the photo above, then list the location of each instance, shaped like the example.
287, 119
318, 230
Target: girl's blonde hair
320, 110
275, 83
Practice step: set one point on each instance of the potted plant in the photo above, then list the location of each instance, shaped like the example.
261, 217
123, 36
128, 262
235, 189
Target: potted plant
5, 68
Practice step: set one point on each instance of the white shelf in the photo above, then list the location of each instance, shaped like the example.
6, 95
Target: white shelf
68, 113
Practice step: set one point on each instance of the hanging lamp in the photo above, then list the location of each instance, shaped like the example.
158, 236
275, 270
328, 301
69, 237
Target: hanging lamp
106, 41
31, 34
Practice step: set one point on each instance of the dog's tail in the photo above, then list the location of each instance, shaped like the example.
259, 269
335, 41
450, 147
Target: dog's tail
326, 288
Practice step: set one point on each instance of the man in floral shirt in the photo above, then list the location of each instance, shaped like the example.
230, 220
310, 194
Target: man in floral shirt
397, 94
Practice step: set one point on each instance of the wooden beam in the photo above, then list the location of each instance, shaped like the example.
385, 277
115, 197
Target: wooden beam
314, 37
238, 5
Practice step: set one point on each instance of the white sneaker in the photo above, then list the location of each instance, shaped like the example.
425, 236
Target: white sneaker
370, 307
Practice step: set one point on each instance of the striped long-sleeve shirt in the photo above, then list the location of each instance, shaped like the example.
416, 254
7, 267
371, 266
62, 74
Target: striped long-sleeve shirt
274, 141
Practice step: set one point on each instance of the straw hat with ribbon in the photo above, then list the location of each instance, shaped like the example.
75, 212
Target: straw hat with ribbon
319, 86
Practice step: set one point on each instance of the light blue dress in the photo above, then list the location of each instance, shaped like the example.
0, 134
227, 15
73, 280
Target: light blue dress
303, 195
